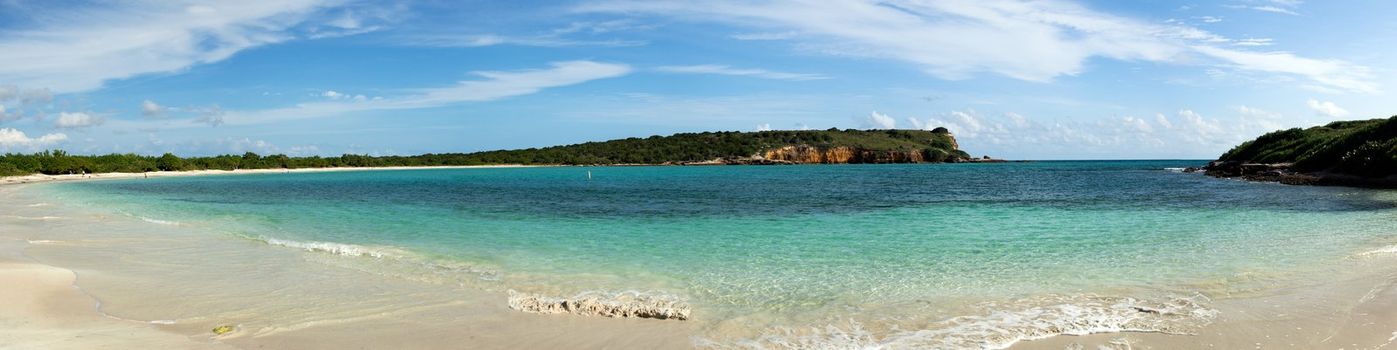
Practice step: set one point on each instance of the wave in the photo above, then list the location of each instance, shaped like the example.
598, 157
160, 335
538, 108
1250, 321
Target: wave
609, 304
159, 222
1392, 249
336, 248
1174, 170
37, 205
1080, 315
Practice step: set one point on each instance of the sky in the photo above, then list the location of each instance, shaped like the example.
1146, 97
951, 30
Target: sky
1047, 79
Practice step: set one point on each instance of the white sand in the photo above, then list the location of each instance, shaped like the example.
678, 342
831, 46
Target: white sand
155, 174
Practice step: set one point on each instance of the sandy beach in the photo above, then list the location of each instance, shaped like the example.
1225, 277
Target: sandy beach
75, 282
40, 178
78, 281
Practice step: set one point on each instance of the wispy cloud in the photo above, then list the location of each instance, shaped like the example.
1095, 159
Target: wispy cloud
1286, 7
493, 85
1325, 75
576, 34
765, 36
1035, 41
745, 72
80, 48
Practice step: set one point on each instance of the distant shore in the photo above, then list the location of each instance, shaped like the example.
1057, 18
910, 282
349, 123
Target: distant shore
37, 178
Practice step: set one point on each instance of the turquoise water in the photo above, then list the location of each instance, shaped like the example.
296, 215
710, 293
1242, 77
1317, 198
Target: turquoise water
803, 242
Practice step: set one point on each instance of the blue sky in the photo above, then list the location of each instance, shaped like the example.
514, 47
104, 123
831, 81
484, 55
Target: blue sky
1053, 79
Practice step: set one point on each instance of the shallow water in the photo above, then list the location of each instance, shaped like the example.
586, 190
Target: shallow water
913, 255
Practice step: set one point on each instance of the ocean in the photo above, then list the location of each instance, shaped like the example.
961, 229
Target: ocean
937, 255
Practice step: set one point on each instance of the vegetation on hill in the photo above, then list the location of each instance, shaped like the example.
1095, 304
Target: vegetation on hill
677, 148
1364, 148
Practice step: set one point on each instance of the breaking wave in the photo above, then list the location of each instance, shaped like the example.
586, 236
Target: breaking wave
1391, 249
340, 249
609, 304
1079, 315
159, 222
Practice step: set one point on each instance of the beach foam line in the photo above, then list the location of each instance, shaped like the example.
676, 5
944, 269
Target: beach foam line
33, 217
1391, 249
1079, 315
37, 205
384, 254
626, 304
159, 222
340, 249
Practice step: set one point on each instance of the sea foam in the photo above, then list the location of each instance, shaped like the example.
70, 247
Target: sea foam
160, 222
334, 248
608, 304
1392, 249
1080, 315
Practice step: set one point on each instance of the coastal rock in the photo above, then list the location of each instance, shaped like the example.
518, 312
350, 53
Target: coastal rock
1360, 153
806, 154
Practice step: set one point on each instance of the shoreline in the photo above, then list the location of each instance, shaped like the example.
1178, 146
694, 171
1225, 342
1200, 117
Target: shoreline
1356, 311
115, 284
41, 178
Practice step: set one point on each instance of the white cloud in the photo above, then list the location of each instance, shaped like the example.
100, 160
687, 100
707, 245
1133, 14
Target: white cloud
1328, 74
76, 120
726, 70
764, 127
1326, 108
80, 48
494, 85
1187, 133
1287, 7
560, 37
332, 94
1209, 19
881, 121
151, 109
12, 139
1027, 40
1275, 9
1253, 42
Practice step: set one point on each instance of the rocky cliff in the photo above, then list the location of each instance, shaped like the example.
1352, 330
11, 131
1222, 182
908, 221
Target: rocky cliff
806, 154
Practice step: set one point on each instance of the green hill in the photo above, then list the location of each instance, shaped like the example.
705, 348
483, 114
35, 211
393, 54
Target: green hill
1363, 152
765, 147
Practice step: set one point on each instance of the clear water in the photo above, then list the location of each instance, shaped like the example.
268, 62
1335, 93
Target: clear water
800, 242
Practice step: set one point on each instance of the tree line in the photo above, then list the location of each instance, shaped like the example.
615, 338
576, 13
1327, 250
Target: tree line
684, 147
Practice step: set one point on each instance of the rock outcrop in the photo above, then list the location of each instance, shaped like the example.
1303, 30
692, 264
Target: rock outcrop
805, 154
1361, 153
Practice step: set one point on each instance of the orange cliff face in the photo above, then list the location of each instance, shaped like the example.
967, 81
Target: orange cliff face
805, 154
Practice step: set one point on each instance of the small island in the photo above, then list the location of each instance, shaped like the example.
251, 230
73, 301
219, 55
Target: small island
832, 146
1360, 153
